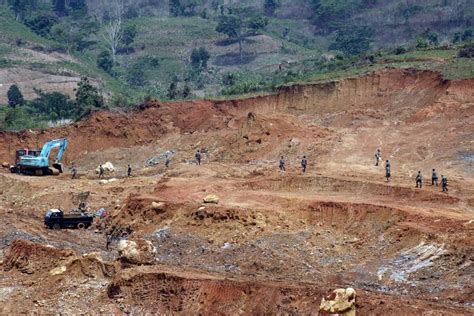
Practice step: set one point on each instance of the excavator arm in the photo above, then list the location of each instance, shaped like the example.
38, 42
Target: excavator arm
61, 143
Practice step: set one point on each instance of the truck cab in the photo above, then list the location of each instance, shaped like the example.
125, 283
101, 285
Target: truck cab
56, 219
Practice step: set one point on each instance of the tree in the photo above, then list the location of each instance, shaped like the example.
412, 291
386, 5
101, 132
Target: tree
79, 6
173, 89
54, 105
258, 23
15, 98
128, 34
231, 25
467, 35
186, 91
433, 38
353, 40
457, 37
88, 98
59, 7
41, 23
136, 76
269, 7
21, 7
421, 42
175, 7
105, 62
199, 58
112, 33
184, 7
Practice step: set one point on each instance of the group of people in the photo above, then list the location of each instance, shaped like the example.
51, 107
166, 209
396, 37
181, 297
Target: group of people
304, 164
419, 176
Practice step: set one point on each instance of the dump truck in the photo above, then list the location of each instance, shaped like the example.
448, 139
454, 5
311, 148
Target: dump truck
56, 219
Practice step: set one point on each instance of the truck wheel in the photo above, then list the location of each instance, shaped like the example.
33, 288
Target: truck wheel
81, 226
56, 226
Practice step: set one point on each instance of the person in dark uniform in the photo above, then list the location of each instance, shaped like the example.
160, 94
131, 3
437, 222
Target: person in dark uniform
444, 183
304, 163
419, 180
198, 158
434, 178
282, 164
129, 171
387, 170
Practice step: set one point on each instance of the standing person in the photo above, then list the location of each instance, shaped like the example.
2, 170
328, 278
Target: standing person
73, 171
444, 183
434, 178
198, 157
378, 156
129, 171
282, 164
387, 170
304, 163
167, 161
419, 180
101, 172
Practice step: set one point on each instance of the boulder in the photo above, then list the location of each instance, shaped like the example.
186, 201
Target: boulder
108, 168
340, 301
5, 165
157, 206
211, 199
137, 252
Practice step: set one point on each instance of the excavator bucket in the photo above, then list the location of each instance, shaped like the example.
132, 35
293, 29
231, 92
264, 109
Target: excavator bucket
58, 167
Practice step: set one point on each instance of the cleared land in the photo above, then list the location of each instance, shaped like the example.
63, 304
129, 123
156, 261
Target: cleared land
277, 241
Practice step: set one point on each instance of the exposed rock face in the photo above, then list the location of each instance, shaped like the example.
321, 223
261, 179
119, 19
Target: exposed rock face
137, 252
341, 302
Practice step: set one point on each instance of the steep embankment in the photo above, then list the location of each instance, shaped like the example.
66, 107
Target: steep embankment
392, 96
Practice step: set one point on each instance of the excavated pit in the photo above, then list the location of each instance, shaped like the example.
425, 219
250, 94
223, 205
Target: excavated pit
276, 242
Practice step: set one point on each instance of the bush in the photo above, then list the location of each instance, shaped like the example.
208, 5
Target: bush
467, 52
421, 42
136, 76
400, 50
105, 61
20, 118
240, 83
41, 23
199, 58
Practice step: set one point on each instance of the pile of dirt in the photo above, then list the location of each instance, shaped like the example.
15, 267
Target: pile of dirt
139, 210
29, 257
89, 265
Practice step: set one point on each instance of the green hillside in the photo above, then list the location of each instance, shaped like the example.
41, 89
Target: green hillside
195, 49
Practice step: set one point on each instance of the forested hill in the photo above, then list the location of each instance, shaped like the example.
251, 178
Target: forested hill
131, 50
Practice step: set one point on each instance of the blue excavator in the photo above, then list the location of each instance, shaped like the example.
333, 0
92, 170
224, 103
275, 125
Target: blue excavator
37, 163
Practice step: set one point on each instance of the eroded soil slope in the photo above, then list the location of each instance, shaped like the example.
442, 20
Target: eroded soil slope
277, 241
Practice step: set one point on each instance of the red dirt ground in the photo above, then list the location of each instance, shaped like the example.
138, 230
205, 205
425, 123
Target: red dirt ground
277, 242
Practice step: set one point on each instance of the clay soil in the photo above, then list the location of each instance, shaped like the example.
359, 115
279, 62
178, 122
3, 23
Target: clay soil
277, 241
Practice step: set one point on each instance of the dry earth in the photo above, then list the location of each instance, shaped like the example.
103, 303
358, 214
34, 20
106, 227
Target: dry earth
277, 241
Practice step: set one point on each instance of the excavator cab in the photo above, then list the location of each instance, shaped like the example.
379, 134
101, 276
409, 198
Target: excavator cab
25, 152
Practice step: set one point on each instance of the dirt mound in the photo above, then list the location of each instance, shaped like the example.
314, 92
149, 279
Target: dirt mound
90, 265
29, 257
164, 293
138, 210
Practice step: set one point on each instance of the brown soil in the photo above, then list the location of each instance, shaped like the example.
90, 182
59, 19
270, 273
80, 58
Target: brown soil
276, 242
